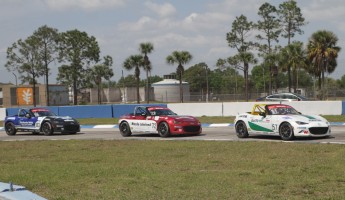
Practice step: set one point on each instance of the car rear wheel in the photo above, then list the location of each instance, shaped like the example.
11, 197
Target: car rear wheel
241, 130
10, 129
125, 129
163, 129
47, 128
286, 131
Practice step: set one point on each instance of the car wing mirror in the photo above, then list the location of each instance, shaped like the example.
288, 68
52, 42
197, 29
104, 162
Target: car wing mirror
28, 115
143, 114
262, 114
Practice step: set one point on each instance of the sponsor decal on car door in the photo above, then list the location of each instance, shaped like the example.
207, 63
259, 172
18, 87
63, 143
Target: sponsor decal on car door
261, 124
143, 125
26, 122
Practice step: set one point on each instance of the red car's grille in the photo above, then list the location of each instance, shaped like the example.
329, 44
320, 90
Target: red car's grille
191, 129
318, 130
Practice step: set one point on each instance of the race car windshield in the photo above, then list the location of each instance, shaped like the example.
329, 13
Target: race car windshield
282, 110
162, 112
42, 113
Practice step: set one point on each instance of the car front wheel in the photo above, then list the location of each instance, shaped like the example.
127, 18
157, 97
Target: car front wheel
163, 129
125, 129
10, 129
241, 130
286, 131
47, 128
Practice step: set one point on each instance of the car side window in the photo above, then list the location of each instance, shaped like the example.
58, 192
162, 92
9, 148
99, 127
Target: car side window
22, 113
274, 96
140, 111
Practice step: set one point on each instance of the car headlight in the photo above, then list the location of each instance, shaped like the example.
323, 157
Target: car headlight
300, 123
57, 121
177, 122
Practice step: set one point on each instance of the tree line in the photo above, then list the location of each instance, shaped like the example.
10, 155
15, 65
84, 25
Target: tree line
293, 65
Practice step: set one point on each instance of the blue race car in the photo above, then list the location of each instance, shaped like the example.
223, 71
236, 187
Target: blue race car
37, 120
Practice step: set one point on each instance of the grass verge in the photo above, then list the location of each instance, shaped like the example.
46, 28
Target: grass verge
128, 169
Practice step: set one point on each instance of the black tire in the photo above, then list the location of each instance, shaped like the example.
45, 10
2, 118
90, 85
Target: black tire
125, 129
286, 131
163, 129
10, 129
47, 128
241, 130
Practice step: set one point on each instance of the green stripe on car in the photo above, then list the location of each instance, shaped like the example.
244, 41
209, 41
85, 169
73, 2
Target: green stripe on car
256, 127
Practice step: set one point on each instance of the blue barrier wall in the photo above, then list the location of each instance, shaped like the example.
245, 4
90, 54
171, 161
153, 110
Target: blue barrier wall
343, 108
121, 109
99, 111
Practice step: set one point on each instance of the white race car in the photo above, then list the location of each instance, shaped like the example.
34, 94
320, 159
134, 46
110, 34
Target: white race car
282, 120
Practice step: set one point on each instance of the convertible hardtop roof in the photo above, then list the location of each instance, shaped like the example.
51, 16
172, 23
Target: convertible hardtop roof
38, 109
156, 108
257, 108
273, 105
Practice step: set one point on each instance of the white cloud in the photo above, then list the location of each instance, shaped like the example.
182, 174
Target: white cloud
324, 11
181, 41
163, 10
84, 4
151, 25
206, 21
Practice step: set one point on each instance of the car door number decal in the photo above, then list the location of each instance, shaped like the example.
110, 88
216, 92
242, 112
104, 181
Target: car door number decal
274, 127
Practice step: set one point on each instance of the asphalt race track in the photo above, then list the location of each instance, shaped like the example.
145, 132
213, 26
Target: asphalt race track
209, 133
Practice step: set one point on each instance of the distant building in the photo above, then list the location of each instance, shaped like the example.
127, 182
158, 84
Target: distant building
13, 96
168, 90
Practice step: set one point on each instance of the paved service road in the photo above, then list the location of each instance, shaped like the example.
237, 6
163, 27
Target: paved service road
216, 133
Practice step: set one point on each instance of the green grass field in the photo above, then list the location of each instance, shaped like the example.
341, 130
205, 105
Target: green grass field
132, 169
127, 169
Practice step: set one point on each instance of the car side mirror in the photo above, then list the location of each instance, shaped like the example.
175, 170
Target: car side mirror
28, 115
143, 114
262, 114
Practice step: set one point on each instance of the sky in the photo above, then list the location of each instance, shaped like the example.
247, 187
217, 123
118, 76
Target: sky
119, 26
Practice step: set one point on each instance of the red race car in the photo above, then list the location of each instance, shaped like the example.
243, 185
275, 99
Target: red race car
158, 120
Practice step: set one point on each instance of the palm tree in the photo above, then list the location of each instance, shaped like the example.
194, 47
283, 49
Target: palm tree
98, 72
135, 61
247, 58
180, 57
293, 56
146, 48
322, 54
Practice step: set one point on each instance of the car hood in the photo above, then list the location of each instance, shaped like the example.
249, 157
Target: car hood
183, 117
65, 118
304, 118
